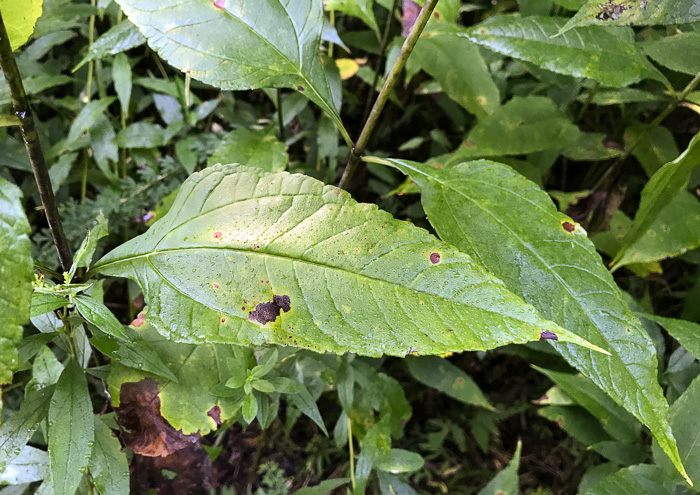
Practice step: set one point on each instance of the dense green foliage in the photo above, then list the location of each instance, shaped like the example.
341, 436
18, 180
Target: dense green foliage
509, 280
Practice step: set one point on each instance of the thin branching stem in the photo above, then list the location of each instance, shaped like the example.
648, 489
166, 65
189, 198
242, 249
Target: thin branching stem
20, 105
356, 152
352, 455
280, 120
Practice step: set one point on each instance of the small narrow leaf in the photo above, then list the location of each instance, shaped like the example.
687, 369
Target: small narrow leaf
121, 73
635, 480
108, 465
514, 229
71, 430
323, 488
665, 184
506, 482
442, 375
233, 46
244, 256
687, 333
119, 38
97, 314
607, 55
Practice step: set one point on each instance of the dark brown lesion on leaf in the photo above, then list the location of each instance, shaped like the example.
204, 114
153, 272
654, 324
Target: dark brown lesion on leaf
434, 258
269, 311
568, 226
547, 335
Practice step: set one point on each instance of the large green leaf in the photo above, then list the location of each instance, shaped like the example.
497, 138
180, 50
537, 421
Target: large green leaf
514, 229
531, 124
235, 45
117, 39
71, 430
18, 429
250, 257
642, 479
679, 52
607, 55
19, 19
108, 465
254, 149
457, 65
635, 12
185, 404
664, 185
16, 274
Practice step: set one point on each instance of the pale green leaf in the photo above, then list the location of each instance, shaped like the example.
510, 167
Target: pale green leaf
674, 231
71, 430
266, 45
506, 482
635, 12
30, 465
249, 257
442, 375
118, 39
514, 229
141, 135
361, 9
86, 119
323, 488
665, 184
108, 465
185, 403
456, 63
400, 461
654, 147
46, 369
83, 257
577, 422
607, 55
252, 148
121, 74
19, 19
642, 479
249, 408
687, 333
9, 120
16, 271
532, 123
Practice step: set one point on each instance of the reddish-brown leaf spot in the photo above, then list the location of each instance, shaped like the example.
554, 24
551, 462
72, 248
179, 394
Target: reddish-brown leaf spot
223, 320
482, 31
269, 311
140, 320
215, 414
220, 3
628, 330
547, 335
436, 15
218, 235
216, 286
410, 14
256, 246
300, 88
468, 144
146, 431
481, 99
459, 381
435, 258
568, 226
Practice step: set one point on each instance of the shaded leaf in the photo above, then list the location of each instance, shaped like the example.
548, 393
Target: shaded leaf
121, 74
117, 39
506, 482
252, 148
86, 119
97, 314
687, 333
442, 375
456, 63
577, 422
184, 404
141, 135
664, 185
361, 9
43, 303
272, 45
654, 147
16, 268
642, 479
514, 229
313, 269
323, 487
16, 431
532, 123
607, 55
71, 430
108, 465
636, 12
677, 52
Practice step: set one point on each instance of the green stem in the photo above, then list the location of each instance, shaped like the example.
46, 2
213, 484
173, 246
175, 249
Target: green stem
352, 455
378, 65
20, 105
356, 152
331, 19
589, 99
280, 121
91, 39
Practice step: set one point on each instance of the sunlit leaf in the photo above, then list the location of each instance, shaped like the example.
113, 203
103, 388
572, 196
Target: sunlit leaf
249, 257
252, 148
19, 19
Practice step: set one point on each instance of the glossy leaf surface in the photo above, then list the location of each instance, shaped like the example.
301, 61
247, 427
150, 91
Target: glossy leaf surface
16, 270
636, 12
687, 333
108, 465
514, 229
117, 39
233, 44
607, 55
71, 430
249, 257
16, 431
664, 185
